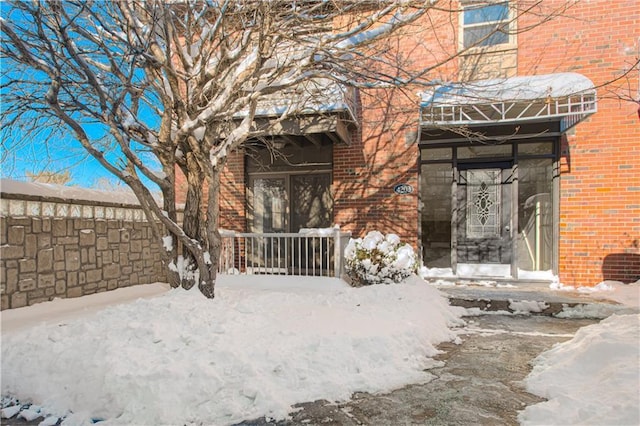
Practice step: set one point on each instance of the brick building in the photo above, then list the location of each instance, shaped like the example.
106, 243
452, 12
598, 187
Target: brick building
529, 168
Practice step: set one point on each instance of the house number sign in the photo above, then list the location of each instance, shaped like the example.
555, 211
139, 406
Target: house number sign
403, 188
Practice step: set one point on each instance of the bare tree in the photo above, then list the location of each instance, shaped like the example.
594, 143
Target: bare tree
58, 178
152, 87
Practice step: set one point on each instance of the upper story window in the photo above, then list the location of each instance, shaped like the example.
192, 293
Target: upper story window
486, 24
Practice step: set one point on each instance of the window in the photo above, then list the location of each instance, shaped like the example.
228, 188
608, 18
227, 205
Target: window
486, 24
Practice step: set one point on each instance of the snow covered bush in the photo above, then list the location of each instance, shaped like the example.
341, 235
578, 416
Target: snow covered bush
379, 259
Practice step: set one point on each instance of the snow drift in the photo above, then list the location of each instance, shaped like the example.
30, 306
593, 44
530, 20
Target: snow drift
592, 379
264, 344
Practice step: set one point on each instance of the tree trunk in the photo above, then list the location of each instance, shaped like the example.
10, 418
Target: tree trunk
207, 279
207, 286
169, 205
192, 216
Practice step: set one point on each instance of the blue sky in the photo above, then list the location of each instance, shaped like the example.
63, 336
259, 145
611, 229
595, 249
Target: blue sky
23, 151
33, 155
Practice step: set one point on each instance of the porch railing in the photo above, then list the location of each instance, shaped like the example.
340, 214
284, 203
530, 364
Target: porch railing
311, 252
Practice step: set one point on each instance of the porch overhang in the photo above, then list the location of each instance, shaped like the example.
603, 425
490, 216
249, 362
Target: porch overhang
315, 109
309, 126
566, 98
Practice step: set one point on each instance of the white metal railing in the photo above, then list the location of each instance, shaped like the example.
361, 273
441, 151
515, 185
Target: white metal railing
570, 110
311, 252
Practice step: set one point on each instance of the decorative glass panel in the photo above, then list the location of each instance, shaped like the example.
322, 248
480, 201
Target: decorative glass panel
87, 212
119, 213
99, 212
128, 214
138, 215
109, 213
483, 203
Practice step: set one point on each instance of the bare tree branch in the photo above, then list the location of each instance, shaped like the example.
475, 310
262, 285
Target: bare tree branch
152, 88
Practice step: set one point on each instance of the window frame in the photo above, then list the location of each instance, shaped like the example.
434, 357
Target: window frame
510, 21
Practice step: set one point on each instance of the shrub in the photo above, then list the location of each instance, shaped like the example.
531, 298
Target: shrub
379, 259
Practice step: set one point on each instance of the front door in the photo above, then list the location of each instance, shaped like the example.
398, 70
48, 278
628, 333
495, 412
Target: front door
270, 205
483, 231
288, 203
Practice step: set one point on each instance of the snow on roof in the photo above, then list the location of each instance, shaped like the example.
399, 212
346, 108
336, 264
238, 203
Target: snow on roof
521, 88
47, 190
313, 96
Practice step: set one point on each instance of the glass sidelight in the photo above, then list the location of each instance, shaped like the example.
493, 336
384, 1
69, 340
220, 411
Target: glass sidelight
535, 214
436, 180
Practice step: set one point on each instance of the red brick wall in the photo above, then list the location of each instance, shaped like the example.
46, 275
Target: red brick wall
233, 193
600, 181
383, 153
600, 176
181, 187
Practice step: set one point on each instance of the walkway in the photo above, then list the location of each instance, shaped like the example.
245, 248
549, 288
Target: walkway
478, 384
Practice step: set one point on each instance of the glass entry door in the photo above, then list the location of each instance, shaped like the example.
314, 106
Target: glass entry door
270, 205
288, 203
484, 243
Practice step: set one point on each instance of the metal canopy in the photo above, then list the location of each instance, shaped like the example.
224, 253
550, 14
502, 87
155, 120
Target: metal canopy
565, 97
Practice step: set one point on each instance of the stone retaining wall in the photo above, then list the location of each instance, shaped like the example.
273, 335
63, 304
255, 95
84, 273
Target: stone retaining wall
55, 248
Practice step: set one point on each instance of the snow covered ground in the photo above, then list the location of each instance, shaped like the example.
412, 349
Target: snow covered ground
592, 379
264, 344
